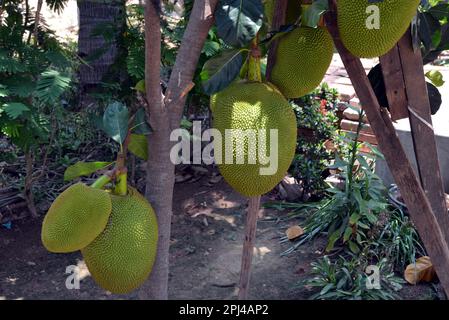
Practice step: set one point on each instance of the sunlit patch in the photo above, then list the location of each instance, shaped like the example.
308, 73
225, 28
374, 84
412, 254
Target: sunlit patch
225, 204
11, 280
81, 270
261, 251
216, 216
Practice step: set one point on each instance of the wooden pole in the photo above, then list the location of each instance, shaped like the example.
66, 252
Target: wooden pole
414, 196
248, 246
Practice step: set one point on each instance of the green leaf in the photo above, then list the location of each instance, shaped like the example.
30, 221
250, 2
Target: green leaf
51, 85
3, 91
428, 26
347, 235
81, 168
140, 125
312, 15
238, 21
115, 121
219, 71
138, 145
20, 85
140, 86
332, 239
436, 77
354, 218
353, 247
14, 109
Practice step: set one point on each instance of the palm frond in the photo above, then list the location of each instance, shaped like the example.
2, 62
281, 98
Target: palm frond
51, 85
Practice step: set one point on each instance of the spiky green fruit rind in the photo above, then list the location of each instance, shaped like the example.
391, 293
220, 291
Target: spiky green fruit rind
120, 259
394, 16
257, 106
75, 219
303, 57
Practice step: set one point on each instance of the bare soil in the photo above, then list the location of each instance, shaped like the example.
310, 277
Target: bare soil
208, 225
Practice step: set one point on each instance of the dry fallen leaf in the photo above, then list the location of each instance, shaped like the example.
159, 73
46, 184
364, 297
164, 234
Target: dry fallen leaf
422, 270
294, 232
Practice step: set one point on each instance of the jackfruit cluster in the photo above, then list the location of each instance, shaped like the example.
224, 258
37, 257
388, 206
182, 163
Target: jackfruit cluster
259, 108
372, 29
122, 256
302, 59
117, 235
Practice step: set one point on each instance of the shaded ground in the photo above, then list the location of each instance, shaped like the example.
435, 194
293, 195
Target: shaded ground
205, 255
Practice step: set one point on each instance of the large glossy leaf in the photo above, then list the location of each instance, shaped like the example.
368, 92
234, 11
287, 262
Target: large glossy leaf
429, 30
138, 146
115, 121
80, 169
140, 125
440, 11
238, 21
221, 70
312, 15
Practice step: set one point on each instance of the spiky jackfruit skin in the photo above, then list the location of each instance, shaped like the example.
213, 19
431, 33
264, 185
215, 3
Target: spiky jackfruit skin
75, 219
303, 57
293, 11
258, 106
120, 259
395, 18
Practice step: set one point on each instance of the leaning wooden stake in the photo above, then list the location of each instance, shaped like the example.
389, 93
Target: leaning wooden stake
414, 196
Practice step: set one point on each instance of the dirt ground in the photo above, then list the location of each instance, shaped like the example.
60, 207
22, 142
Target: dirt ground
207, 236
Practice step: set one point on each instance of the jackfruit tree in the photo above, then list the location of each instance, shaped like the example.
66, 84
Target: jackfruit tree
244, 95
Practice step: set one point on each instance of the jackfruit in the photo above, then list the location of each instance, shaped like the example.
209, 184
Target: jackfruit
292, 14
253, 106
359, 32
122, 256
75, 219
303, 57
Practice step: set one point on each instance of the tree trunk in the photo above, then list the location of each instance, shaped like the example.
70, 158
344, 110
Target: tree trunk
165, 115
92, 14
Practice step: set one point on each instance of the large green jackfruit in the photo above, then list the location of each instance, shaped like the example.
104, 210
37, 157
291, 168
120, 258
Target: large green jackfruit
373, 41
303, 57
75, 219
253, 106
292, 14
120, 259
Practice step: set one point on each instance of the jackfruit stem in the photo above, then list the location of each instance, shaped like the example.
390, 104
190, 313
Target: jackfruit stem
254, 69
121, 187
101, 182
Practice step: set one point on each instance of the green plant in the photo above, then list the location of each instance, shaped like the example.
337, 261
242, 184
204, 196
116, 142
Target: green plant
35, 74
317, 124
349, 214
396, 239
346, 279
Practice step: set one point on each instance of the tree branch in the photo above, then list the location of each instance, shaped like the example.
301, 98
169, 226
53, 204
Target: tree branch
180, 83
153, 39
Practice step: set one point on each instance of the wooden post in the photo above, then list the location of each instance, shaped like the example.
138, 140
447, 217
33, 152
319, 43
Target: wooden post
248, 246
414, 196
394, 84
